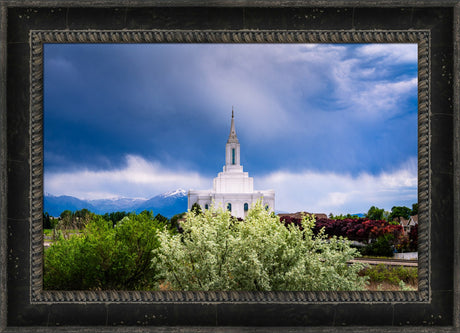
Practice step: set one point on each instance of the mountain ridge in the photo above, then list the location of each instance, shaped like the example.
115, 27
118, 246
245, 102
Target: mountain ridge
167, 204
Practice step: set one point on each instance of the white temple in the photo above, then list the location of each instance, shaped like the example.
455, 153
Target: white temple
232, 188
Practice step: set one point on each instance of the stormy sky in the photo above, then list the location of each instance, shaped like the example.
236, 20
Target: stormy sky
329, 127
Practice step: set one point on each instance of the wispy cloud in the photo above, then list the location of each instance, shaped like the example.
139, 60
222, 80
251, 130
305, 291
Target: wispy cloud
396, 53
291, 86
341, 193
137, 179
380, 101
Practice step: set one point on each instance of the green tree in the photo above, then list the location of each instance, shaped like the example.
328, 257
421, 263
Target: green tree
70, 221
46, 221
375, 213
414, 209
65, 222
219, 252
115, 217
81, 218
382, 246
83, 214
196, 208
343, 217
399, 211
104, 256
161, 218
66, 214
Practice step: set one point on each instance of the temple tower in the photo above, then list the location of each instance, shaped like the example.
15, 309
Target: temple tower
232, 188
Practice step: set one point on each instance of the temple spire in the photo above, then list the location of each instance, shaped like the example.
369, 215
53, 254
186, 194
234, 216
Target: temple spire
232, 149
232, 137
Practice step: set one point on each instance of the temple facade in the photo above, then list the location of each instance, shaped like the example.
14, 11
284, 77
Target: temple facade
232, 188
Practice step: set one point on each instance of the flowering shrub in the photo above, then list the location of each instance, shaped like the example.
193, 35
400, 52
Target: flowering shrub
218, 252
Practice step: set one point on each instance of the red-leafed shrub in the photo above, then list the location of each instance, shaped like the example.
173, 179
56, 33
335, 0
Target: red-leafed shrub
361, 229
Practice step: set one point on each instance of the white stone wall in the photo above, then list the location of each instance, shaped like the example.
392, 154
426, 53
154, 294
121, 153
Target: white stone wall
237, 200
233, 182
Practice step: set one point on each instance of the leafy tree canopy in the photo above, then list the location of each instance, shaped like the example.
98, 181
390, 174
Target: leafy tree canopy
104, 256
399, 211
161, 218
343, 217
414, 209
115, 217
375, 213
196, 208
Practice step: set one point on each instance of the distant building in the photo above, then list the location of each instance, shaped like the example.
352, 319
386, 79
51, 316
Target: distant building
408, 224
232, 189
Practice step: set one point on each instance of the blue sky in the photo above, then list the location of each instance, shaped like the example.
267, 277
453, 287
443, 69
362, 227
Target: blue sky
329, 127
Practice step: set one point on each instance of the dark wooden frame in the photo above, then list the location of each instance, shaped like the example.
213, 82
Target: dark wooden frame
26, 24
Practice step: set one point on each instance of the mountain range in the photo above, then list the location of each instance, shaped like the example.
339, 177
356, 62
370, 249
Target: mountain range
167, 204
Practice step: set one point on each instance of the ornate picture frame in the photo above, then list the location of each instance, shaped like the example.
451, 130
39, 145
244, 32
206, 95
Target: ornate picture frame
29, 26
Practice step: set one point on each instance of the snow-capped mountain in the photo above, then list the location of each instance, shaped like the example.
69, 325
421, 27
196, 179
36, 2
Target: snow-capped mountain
176, 193
167, 204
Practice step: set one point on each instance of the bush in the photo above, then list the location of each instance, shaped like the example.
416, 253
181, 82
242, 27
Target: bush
104, 256
361, 229
383, 246
218, 252
391, 274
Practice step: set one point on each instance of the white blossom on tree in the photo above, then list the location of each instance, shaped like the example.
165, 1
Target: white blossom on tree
218, 252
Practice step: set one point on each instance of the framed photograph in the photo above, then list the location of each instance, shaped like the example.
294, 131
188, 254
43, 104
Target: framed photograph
180, 92
106, 101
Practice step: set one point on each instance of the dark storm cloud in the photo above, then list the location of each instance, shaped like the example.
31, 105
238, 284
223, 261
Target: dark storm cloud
347, 109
